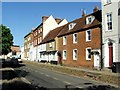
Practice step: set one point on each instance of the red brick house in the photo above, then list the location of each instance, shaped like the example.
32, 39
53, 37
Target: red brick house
79, 42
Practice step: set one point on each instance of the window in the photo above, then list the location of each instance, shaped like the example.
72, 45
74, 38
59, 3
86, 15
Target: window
71, 25
109, 21
39, 40
108, 1
64, 54
75, 54
64, 40
89, 19
50, 44
75, 38
39, 30
88, 53
88, 35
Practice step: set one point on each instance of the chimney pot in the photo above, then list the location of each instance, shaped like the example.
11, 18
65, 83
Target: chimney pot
44, 18
83, 13
95, 9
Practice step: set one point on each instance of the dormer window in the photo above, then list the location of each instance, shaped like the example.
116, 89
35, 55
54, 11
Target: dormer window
71, 25
89, 19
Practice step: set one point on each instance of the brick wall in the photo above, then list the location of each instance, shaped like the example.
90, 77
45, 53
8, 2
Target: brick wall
81, 46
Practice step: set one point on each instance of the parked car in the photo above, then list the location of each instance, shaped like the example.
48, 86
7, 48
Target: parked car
14, 61
2, 62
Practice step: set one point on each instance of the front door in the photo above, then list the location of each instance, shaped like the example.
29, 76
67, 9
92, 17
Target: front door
110, 55
96, 60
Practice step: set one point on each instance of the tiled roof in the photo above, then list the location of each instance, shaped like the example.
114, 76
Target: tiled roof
51, 35
15, 48
81, 24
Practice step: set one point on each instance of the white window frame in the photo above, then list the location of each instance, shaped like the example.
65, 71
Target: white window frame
50, 45
88, 35
64, 40
109, 21
71, 25
108, 1
89, 17
87, 53
75, 39
75, 56
64, 56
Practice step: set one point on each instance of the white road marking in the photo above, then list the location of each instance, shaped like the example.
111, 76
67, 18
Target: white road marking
66, 82
47, 75
79, 87
41, 73
55, 78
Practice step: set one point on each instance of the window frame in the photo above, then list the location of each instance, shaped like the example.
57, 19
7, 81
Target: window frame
74, 38
64, 56
71, 25
87, 19
87, 57
75, 58
64, 40
109, 21
50, 44
88, 35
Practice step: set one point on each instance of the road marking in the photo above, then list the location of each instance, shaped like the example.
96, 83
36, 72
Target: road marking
41, 73
66, 82
55, 78
79, 87
47, 75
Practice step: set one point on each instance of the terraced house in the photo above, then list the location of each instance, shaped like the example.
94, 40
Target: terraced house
80, 41
111, 32
48, 24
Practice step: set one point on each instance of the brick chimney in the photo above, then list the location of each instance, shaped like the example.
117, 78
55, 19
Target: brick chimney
44, 18
95, 9
57, 20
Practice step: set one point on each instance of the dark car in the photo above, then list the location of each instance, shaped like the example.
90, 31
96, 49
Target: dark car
14, 61
2, 62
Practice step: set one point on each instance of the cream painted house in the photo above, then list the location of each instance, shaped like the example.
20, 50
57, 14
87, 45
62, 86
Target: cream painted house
111, 31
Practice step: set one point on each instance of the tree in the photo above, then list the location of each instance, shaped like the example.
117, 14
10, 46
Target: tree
6, 40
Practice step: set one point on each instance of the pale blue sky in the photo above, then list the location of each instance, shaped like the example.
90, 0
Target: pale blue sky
20, 17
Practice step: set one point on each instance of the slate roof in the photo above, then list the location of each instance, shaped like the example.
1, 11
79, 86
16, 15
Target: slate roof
81, 24
52, 35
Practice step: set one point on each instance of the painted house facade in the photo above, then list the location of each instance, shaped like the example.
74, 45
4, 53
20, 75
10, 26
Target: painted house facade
50, 55
79, 42
28, 39
48, 24
111, 31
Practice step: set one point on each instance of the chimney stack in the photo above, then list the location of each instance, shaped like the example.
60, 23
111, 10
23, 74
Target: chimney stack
83, 13
95, 9
57, 20
44, 18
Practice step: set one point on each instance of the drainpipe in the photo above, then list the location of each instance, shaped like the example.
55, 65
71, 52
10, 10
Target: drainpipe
101, 50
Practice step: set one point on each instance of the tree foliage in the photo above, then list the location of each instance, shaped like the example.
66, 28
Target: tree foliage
6, 40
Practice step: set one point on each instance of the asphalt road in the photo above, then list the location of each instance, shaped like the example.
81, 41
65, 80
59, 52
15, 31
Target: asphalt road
52, 79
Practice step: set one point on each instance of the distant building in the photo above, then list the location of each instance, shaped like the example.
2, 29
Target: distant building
38, 34
15, 50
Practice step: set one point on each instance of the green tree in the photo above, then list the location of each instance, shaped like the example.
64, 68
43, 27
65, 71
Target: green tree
6, 40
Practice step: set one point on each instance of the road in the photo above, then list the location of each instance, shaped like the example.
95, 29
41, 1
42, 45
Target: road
53, 79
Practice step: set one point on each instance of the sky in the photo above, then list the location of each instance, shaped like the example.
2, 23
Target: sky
21, 17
